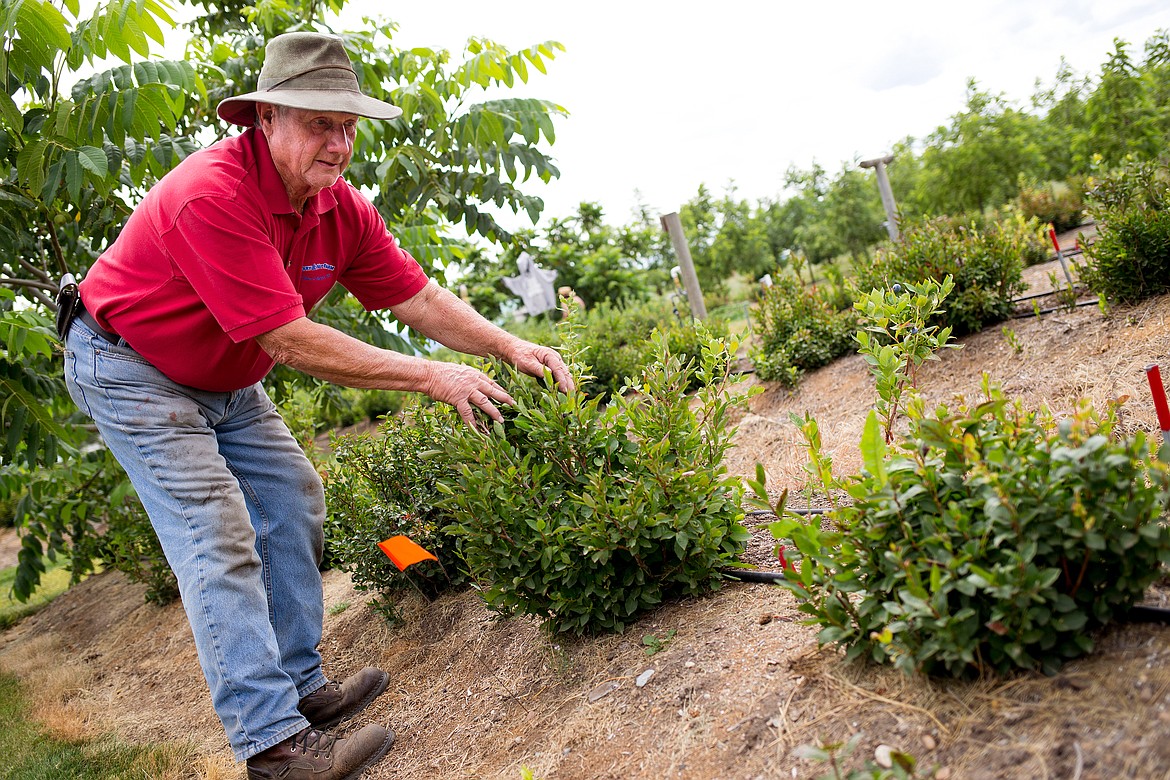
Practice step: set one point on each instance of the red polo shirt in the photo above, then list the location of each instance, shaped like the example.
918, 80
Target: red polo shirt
216, 255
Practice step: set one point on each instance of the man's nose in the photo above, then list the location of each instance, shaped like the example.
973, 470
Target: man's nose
339, 140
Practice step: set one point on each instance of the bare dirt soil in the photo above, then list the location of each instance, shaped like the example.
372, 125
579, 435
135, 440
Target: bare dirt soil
738, 682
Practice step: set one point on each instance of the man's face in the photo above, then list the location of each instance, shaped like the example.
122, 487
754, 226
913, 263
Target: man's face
310, 148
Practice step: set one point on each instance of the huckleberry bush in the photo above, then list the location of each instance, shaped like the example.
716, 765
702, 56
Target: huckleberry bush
992, 538
384, 485
615, 347
896, 339
799, 330
988, 538
586, 515
1130, 260
986, 259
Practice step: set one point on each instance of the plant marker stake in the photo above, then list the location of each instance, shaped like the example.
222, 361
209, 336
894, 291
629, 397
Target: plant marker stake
1154, 375
403, 552
1060, 255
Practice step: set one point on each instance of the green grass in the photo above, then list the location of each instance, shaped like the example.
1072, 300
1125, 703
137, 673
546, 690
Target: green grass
54, 582
31, 754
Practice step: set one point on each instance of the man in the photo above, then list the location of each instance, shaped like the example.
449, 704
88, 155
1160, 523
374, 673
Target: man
208, 285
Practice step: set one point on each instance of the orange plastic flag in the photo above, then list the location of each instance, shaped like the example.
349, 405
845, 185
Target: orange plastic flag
404, 552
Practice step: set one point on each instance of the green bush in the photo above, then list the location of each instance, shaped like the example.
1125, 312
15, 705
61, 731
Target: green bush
799, 330
617, 347
986, 262
1130, 260
83, 509
586, 515
991, 539
383, 485
985, 540
897, 339
1057, 203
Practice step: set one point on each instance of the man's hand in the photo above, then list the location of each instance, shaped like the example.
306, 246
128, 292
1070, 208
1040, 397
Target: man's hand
331, 355
467, 389
439, 314
533, 359
435, 313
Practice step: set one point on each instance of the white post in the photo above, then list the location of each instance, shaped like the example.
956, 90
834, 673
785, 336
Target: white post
673, 226
879, 166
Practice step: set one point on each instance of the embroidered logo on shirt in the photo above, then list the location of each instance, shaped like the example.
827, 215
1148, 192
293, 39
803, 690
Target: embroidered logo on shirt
309, 269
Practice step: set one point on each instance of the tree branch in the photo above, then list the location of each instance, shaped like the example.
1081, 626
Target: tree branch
30, 284
39, 273
57, 251
44, 300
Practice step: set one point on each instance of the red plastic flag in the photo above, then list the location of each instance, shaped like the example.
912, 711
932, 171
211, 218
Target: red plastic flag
1154, 375
404, 552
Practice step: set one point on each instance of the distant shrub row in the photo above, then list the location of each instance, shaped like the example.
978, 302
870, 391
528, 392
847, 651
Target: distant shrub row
801, 329
1057, 203
615, 338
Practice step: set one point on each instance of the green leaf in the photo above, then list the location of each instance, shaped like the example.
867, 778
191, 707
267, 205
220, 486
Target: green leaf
10, 113
73, 175
93, 160
34, 410
43, 25
30, 164
873, 448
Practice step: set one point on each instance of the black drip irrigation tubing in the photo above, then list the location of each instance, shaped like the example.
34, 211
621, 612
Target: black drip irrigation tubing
1135, 614
1052, 309
1033, 296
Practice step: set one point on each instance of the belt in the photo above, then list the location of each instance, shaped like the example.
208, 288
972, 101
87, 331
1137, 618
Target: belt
88, 319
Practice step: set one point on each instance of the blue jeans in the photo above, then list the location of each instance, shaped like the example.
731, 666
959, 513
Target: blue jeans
239, 511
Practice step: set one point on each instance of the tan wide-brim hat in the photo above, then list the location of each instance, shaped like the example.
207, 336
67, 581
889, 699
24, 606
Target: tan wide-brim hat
306, 70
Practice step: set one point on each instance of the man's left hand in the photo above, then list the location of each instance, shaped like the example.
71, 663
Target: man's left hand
533, 359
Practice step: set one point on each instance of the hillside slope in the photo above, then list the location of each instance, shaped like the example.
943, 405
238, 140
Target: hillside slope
738, 682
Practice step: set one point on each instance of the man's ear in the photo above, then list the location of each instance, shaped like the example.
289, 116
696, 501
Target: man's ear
265, 113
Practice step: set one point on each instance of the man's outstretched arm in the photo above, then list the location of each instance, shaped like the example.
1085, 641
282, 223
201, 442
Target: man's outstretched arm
441, 315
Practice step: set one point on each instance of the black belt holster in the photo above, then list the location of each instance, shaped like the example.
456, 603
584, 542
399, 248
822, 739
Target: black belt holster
68, 305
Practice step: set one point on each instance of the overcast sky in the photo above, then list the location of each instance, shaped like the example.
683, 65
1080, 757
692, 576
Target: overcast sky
666, 96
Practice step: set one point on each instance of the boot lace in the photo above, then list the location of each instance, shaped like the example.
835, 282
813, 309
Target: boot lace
316, 742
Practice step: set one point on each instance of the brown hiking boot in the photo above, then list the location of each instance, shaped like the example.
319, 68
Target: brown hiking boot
321, 755
337, 702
